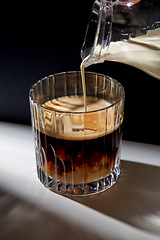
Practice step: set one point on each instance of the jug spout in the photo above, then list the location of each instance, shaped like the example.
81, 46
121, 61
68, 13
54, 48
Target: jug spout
98, 33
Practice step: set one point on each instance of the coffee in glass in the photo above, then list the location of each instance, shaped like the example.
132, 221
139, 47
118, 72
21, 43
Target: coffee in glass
77, 152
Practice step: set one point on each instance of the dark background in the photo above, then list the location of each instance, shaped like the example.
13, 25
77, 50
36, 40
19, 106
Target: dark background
39, 40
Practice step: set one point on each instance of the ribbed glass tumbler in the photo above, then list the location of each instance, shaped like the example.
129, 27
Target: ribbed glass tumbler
77, 152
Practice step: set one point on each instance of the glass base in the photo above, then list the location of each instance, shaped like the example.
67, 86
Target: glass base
80, 189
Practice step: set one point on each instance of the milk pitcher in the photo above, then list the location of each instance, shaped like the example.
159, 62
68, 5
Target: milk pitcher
126, 31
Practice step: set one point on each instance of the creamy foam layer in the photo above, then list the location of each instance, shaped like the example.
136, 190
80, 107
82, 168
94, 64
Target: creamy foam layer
69, 121
76, 104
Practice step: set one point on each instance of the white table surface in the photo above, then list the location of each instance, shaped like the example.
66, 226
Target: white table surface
129, 210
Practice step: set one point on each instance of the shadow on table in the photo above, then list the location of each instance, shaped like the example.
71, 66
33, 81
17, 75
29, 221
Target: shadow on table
134, 199
20, 219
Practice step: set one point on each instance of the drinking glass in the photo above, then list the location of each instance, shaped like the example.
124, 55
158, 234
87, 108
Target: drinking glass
77, 153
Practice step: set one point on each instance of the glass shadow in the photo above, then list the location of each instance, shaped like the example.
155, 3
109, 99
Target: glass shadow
134, 199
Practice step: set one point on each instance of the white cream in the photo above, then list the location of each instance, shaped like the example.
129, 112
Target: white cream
142, 52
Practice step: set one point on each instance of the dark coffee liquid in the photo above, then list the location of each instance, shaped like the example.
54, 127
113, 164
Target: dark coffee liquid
80, 161
78, 148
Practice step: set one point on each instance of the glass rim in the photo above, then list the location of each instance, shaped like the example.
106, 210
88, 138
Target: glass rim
71, 112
